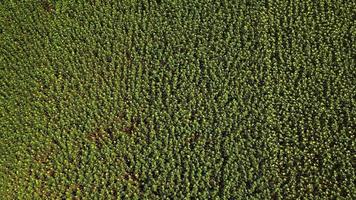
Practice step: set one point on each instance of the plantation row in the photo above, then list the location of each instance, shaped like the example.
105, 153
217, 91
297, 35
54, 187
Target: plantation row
177, 99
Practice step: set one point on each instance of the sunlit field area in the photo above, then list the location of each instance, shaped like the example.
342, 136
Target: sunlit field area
177, 99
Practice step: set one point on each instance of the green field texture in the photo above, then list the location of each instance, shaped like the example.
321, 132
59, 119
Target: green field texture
189, 99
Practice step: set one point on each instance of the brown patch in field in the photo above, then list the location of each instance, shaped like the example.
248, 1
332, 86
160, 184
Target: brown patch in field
109, 131
128, 129
97, 136
194, 138
46, 5
128, 57
119, 117
50, 172
130, 176
45, 155
74, 188
42, 158
128, 126
134, 180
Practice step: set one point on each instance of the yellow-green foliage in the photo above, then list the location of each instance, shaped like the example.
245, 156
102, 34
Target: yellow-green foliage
188, 99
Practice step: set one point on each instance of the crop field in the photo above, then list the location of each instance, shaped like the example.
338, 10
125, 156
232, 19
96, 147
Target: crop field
177, 99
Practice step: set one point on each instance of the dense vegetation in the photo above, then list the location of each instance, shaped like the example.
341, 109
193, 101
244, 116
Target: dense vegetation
183, 99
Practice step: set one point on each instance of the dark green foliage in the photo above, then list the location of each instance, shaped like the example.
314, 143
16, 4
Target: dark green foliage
175, 99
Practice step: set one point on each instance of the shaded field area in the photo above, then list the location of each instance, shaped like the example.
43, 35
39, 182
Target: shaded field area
189, 99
